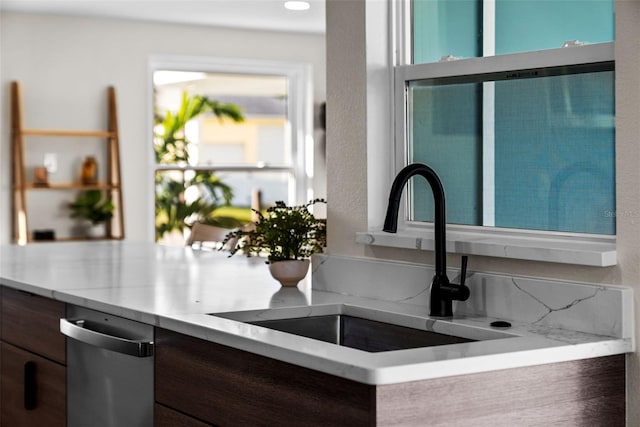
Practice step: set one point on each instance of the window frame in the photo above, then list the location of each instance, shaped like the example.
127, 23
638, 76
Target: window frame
299, 108
553, 246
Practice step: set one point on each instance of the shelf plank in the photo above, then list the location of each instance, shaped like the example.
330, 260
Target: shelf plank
69, 133
72, 186
75, 239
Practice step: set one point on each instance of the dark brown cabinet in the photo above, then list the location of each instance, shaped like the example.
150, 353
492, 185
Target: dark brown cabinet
209, 383
223, 386
33, 390
167, 417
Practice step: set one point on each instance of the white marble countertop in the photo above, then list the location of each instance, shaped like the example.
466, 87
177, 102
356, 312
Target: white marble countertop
179, 289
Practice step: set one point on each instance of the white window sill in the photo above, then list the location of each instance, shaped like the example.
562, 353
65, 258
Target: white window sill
592, 251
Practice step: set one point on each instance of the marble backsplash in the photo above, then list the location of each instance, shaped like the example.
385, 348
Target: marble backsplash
584, 307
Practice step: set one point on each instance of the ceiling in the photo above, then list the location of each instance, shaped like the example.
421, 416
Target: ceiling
246, 14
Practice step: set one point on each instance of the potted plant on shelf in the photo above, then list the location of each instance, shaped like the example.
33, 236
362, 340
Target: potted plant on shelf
95, 209
287, 235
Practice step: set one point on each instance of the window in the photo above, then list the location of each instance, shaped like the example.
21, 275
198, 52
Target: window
262, 159
419, 92
512, 104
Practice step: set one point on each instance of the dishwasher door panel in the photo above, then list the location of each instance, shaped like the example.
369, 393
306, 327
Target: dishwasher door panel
107, 388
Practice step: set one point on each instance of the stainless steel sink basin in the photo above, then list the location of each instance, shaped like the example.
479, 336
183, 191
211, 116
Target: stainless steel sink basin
364, 328
359, 333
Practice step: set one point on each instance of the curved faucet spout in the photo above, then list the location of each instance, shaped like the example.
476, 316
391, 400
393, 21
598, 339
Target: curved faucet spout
439, 223
442, 292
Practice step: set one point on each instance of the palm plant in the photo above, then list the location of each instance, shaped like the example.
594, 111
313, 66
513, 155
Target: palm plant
171, 144
172, 147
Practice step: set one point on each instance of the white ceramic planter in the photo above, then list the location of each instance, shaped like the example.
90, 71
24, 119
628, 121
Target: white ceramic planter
90, 230
290, 272
96, 231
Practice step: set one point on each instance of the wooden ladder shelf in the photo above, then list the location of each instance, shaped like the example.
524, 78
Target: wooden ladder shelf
110, 185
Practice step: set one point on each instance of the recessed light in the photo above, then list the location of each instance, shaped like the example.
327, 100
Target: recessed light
297, 5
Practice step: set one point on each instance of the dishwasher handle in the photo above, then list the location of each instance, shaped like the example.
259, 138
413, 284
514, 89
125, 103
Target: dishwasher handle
77, 329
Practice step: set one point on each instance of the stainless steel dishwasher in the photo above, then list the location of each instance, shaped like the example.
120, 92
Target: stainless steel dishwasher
109, 370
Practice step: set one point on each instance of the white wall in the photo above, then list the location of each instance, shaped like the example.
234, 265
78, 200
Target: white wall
347, 163
66, 63
628, 175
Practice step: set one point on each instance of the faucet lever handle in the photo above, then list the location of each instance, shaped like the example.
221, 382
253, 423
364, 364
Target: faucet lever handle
463, 269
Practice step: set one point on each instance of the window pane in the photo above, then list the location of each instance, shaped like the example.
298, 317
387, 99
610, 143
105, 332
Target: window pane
527, 25
446, 28
273, 185
446, 134
554, 153
550, 151
456, 28
184, 196
262, 138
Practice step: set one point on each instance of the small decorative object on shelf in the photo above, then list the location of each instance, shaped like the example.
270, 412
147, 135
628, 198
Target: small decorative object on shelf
89, 172
44, 235
285, 234
40, 177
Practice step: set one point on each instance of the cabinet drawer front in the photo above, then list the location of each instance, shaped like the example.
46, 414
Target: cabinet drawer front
226, 386
44, 404
33, 322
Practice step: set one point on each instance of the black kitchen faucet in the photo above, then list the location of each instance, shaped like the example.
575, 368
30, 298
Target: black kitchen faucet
442, 291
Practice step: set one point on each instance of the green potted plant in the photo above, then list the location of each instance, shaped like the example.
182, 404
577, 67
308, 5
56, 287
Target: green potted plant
93, 207
287, 236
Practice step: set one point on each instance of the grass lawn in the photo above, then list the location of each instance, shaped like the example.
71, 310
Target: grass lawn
242, 214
